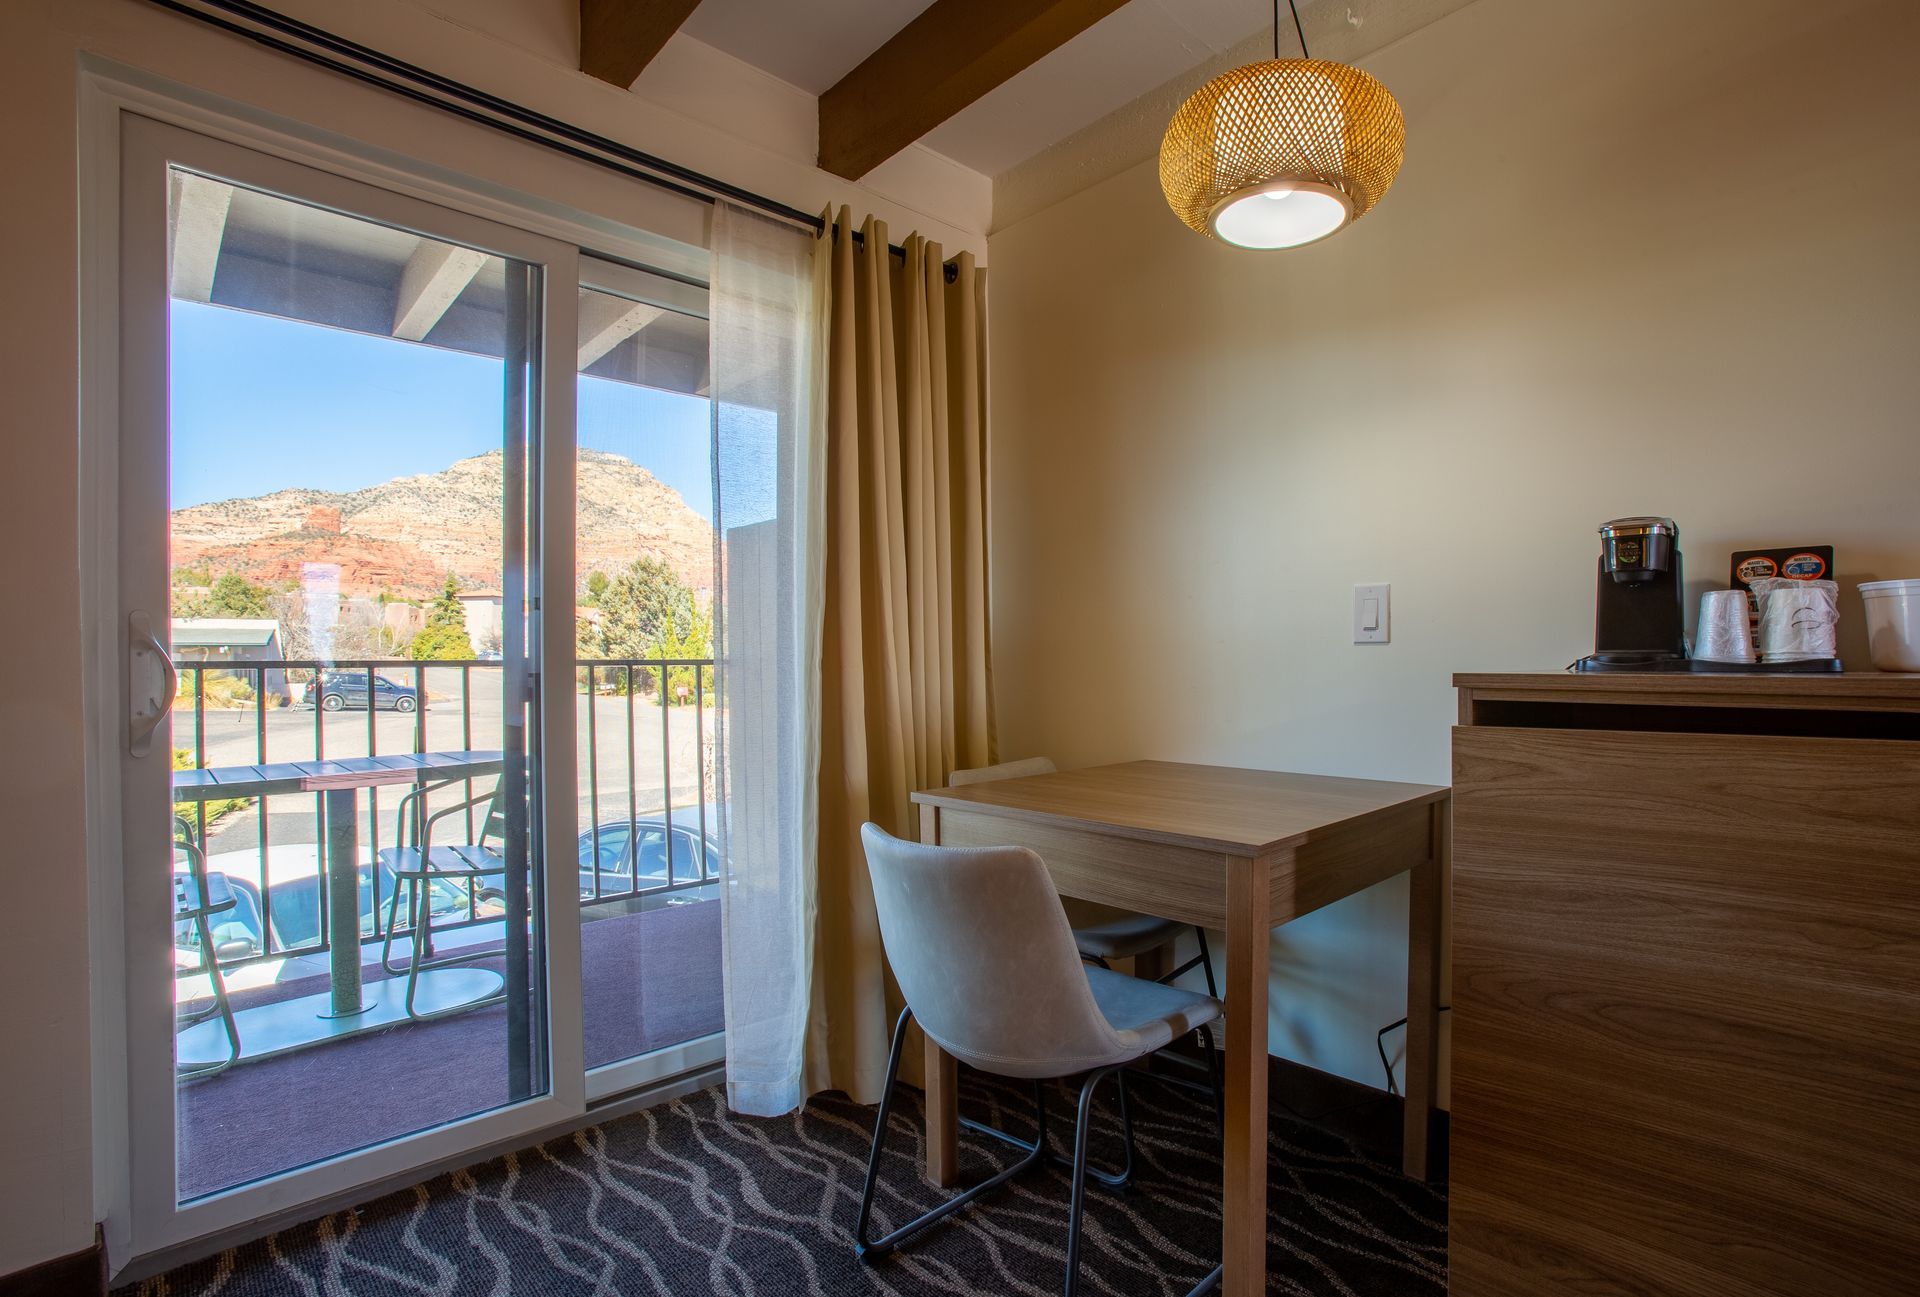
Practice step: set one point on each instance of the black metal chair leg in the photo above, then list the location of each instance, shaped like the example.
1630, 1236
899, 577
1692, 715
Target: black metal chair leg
1120, 1179
871, 1250
1125, 1177
1213, 1075
1081, 1132
861, 1246
1206, 961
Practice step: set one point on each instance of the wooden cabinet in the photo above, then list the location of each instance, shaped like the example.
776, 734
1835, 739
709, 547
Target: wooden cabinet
1686, 987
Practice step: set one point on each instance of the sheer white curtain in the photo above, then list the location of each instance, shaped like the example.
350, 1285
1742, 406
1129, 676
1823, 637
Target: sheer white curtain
769, 491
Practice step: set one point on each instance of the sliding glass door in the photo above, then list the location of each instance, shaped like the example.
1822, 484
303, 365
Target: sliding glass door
645, 562
345, 539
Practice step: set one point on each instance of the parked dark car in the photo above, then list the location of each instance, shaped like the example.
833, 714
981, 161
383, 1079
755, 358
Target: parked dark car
348, 689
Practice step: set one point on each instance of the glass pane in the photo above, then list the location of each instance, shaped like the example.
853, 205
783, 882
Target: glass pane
650, 931
349, 439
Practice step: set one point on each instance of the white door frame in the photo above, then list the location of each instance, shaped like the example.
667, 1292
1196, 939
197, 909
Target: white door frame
156, 1222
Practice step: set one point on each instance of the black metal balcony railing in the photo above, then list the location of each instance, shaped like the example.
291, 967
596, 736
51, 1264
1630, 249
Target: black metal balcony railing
679, 686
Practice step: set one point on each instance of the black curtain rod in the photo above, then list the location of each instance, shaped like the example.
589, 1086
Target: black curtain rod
372, 67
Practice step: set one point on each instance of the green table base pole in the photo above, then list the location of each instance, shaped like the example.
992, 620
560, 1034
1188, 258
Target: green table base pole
343, 899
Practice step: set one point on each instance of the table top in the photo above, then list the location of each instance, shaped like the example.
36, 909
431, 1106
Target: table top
1213, 808
320, 776
1876, 690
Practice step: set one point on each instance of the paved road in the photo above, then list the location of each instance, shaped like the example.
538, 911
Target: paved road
235, 737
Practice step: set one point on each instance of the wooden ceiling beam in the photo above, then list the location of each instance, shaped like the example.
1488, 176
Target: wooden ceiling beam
952, 54
618, 38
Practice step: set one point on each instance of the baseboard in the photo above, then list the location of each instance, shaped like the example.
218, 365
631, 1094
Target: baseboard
81, 1274
1371, 1118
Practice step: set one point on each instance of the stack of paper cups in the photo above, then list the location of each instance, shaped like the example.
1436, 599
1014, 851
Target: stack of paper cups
1723, 634
1797, 620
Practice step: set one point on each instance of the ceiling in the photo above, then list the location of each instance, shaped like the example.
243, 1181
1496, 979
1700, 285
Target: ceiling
1133, 51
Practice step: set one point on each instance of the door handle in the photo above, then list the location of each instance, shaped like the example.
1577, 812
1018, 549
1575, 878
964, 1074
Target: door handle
147, 708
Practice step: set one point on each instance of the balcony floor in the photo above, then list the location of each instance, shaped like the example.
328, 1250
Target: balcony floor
652, 979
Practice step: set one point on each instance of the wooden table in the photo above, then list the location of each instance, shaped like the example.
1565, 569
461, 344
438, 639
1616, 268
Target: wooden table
1240, 850
340, 782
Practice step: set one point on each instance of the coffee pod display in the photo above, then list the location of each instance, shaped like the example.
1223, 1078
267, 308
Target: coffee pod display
1724, 634
1798, 619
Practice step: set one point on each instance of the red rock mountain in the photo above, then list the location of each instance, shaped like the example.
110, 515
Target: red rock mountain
404, 536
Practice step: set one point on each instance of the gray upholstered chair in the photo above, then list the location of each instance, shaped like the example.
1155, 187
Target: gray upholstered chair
985, 959
1101, 933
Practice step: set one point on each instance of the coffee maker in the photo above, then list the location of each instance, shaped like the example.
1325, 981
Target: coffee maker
1639, 617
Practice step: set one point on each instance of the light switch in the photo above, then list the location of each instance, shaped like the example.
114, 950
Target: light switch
1370, 614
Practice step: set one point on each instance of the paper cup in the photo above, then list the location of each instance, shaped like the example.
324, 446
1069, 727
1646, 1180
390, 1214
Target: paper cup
1723, 634
1893, 623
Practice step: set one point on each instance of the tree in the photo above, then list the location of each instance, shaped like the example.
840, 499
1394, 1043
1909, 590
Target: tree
444, 637
329, 627
596, 587
646, 612
693, 640
235, 596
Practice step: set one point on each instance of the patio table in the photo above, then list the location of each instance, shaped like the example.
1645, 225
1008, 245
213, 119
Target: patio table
339, 782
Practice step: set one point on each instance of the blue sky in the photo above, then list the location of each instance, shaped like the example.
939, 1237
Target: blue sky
261, 403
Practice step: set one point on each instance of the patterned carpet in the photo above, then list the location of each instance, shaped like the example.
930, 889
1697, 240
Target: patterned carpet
687, 1199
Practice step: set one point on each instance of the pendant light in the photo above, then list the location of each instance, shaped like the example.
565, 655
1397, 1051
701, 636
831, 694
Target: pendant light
1283, 153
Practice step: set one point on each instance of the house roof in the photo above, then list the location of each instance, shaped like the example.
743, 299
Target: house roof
224, 632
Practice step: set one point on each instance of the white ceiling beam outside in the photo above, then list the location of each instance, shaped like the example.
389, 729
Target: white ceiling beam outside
607, 321
199, 216
434, 276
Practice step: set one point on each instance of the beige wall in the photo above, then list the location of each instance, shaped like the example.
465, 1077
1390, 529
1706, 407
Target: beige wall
1642, 258
60, 1116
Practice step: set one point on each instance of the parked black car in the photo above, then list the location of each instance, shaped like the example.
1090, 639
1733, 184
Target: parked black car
348, 689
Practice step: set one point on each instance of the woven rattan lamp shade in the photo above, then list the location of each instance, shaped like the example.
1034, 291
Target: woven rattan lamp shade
1324, 129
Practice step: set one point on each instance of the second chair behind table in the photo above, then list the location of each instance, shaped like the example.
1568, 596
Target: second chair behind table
986, 962
1102, 933
197, 900
417, 864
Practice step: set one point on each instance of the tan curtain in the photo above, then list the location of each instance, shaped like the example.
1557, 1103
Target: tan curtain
905, 676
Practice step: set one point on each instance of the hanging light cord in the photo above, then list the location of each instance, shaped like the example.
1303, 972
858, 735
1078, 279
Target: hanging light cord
1298, 30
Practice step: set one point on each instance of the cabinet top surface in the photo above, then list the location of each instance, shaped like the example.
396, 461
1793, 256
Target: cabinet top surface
1888, 689
1217, 808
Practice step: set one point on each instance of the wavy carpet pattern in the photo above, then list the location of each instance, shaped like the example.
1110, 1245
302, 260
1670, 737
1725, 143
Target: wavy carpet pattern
687, 1199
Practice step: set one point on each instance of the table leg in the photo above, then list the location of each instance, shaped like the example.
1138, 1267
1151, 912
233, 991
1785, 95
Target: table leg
1244, 1204
1423, 1006
343, 900
1152, 965
943, 1116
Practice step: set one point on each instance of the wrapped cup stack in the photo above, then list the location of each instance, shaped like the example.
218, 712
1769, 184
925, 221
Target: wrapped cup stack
1797, 619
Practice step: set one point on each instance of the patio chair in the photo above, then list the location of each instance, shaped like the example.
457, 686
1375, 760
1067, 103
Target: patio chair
195, 902
417, 865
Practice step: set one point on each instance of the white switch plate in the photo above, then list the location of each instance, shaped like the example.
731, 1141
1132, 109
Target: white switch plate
1370, 613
